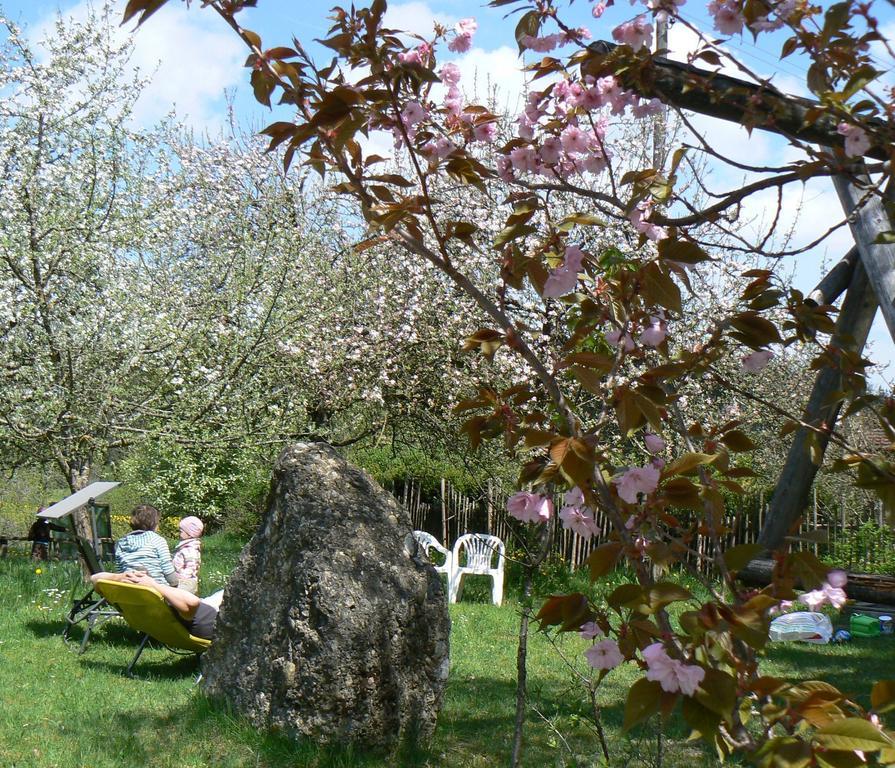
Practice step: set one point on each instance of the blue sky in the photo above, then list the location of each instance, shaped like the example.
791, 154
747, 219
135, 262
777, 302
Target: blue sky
197, 59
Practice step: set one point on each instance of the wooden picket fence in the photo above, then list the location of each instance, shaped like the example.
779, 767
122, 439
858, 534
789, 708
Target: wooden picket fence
447, 514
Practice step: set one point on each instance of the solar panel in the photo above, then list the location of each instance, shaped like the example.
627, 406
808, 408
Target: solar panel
76, 500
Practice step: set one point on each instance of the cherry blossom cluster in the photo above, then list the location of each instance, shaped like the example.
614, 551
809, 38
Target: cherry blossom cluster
672, 674
529, 507
562, 132
857, 142
604, 654
463, 32
652, 335
576, 516
637, 482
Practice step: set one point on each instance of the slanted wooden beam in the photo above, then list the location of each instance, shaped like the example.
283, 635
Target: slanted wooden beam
793, 487
867, 218
835, 282
710, 93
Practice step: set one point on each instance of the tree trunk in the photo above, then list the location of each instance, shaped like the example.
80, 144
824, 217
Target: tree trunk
78, 477
522, 670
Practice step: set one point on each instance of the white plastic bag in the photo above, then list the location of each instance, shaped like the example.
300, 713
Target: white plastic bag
802, 625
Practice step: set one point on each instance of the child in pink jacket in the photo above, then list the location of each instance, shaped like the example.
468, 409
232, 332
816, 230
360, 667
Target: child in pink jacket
188, 554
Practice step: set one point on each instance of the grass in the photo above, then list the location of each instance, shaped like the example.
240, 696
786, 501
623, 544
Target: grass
61, 710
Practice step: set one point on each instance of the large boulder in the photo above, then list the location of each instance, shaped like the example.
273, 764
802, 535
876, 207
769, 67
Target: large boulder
332, 627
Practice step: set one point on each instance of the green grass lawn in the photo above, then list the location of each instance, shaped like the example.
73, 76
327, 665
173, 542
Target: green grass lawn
61, 710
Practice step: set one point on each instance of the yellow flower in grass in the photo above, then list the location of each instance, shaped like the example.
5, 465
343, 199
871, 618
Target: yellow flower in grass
38, 571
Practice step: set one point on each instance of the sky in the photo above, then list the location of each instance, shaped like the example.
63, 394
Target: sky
197, 64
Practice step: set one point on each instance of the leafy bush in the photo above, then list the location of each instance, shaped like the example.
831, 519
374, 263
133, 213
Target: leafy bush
868, 547
389, 465
216, 486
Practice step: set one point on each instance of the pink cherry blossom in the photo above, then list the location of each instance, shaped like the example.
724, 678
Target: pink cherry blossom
578, 520
504, 168
564, 279
450, 74
574, 139
574, 35
636, 481
485, 132
655, 334
756, 361
574, 497
614, 338
413, 113
636, 33
598, 10
453, 100
857, 142
466, 26
529, 507
590, 631
439, 149
419, 55
728, 18
654, 443
638, 217
551, 150
541, 44
462, 41
604, 654
672, 674
524, 159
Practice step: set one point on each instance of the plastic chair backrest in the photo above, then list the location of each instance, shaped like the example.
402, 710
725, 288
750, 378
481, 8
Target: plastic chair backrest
427, 541
480, 551
145, 610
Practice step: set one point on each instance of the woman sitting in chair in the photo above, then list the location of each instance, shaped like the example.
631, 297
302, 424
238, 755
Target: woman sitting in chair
143, 549
197, 614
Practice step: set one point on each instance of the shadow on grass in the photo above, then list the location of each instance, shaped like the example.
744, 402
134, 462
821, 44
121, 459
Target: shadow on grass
197, 731
171, 666
851, 668
112, 632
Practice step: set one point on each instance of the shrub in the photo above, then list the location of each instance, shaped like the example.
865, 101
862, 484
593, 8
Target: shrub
214, 485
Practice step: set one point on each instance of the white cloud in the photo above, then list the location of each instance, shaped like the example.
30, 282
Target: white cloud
497, 73
415, 17
190, 56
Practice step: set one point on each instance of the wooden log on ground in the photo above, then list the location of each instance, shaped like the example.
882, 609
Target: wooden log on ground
867, 587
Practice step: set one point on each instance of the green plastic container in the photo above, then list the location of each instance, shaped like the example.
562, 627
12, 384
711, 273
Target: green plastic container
864, 626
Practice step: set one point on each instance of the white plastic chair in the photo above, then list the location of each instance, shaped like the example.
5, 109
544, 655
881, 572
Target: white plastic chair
428, 542
481, 550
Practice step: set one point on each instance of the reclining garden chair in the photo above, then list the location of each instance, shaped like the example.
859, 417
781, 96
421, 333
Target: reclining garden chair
481, 549
145, 610
93, 609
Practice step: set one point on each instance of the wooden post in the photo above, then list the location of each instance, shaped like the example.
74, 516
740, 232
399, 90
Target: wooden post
867, 218
444, 516
794, 484
490, 506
